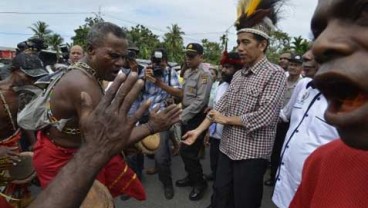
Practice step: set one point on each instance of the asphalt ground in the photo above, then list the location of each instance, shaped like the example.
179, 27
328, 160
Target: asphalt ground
155, 194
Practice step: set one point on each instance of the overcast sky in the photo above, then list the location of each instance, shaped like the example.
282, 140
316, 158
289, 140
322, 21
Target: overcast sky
199, 19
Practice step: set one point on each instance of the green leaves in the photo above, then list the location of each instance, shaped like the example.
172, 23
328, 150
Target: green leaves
81, 32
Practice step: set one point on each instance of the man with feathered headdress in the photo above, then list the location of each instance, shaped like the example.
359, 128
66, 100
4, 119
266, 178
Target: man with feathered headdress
248, 110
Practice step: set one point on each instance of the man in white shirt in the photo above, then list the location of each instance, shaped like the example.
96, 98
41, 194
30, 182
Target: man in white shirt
294, 70
308, 130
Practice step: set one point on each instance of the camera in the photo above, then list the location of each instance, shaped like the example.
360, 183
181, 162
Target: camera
131, 55
34, 43
64, 52
156, 62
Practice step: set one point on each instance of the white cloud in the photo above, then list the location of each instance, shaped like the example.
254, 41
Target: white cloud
197, 18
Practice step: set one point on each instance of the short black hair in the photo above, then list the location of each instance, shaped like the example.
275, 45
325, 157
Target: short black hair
259, 39
100, 30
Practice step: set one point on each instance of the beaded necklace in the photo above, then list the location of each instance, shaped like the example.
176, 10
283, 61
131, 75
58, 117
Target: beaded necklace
7, 110
85, 67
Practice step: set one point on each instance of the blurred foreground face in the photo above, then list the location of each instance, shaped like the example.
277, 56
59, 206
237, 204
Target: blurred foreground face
340, 28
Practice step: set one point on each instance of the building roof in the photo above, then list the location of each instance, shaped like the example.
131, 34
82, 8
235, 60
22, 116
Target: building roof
6, 48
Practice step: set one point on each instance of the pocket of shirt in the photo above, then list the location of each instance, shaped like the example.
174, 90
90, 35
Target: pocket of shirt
191, 89
249, 98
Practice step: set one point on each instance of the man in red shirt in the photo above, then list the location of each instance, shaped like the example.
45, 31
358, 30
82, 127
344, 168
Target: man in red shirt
335, 175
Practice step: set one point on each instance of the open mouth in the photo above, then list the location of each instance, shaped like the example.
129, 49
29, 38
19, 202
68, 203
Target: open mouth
342, 93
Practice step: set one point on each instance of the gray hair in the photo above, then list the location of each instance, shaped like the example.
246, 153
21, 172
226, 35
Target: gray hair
100, 30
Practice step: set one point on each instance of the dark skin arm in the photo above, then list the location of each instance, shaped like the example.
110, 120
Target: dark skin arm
102, 129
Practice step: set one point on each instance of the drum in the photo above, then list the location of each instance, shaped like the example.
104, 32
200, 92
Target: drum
150, 144
98, 197
16, 179
23, 171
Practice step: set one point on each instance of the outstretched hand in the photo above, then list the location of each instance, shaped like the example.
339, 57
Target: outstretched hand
190, 137
108, 127
163, 120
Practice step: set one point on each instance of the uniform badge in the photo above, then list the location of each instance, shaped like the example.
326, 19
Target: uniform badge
305, 96
204, 79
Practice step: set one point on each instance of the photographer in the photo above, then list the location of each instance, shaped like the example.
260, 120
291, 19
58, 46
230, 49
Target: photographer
162, 87
35, 44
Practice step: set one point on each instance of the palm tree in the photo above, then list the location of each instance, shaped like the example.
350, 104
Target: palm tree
300, 45
223, 41
41, 30
54, 41
173, 41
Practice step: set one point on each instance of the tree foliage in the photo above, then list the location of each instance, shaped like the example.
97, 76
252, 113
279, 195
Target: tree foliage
299, 45
40, 29
144, 39
173, 42
212, 51
279, 43
81, 32
54, 41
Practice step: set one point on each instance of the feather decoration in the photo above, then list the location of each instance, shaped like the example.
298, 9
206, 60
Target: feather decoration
242, 5
247, 7
252, 12
251, 7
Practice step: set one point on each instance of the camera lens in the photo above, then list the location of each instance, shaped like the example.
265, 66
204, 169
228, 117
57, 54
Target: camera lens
131, 55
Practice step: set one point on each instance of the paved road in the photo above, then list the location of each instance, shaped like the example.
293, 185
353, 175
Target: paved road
156, 198
155, 195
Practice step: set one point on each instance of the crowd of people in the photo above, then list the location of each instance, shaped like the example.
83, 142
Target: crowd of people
85, 121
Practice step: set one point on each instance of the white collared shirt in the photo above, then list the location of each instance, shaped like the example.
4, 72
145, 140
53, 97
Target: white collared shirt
215, 128
308, 130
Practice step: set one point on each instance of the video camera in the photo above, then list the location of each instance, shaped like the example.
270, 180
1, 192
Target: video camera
156, 60
33, 43
38, 45
132, 55
64, 51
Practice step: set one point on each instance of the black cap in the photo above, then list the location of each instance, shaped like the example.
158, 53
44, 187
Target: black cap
194, 48
296, 58
133, 47
29, 63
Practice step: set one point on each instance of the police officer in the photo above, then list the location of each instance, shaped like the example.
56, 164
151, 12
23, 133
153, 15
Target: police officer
196, 92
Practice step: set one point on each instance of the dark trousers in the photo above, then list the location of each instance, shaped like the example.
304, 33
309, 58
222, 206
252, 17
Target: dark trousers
163, 159
281, 131
239, 183
214, 155
136, 163
190, 153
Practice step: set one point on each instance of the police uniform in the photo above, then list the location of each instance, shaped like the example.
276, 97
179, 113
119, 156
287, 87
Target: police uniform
197, 87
